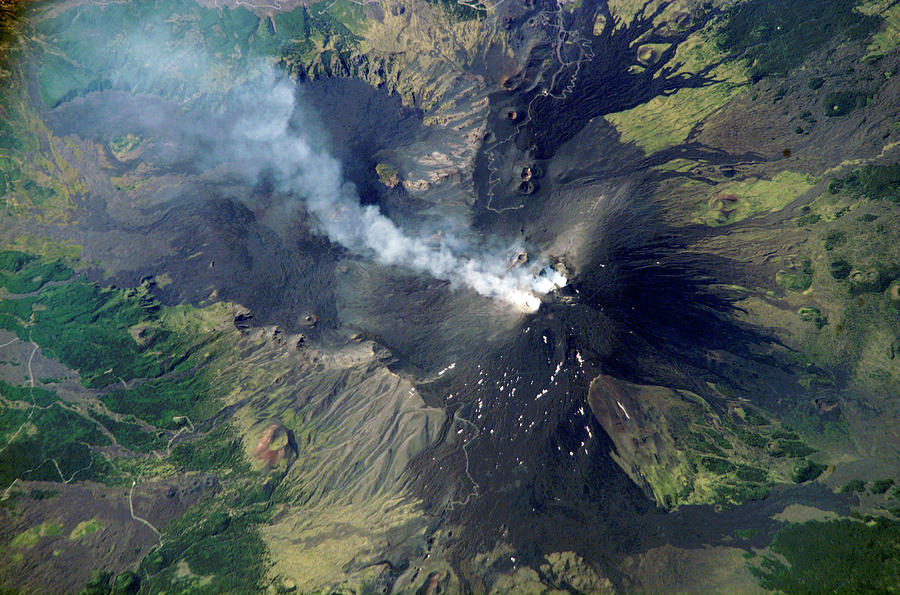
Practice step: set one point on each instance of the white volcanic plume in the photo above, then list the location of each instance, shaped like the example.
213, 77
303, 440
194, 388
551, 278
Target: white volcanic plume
265, 140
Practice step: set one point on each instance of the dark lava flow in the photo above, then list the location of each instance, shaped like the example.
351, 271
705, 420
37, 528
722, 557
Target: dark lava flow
540, 461
606, 83
530, 463
256, 246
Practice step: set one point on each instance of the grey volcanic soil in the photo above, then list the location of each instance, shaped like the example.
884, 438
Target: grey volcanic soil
211, 234
640, 306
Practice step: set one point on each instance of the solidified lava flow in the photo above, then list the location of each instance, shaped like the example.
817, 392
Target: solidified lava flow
449, 297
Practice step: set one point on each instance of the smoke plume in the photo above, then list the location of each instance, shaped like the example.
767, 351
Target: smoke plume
262, 130
266, 139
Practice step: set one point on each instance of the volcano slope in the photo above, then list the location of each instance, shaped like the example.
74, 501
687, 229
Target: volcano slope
210, 385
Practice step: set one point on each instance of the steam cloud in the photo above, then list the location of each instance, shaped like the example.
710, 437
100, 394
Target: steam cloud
300, 165
257, 134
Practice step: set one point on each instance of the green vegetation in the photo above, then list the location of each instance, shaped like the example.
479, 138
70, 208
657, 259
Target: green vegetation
741, 492
882, 485
794, 280
807, 220
857, 485
876, 182
752, 474
753, 418
795, 448
124, 143
785, 435
750, 438
774, 37
804, 420
839, 269
12, 261
874, 280
31, 276
159, 401
39, 494
30, 537
841, 556
85, 528
806, 471
326, 44
835, 185
86, 59
746, 534
130, 338
717, 465
126, 582
815, 83
98, 583
813, 315
738, 200
841, 103
131, 343
310, 40
797, 278
774, 449
63, 319
107, 335
81, 59
387, 174
131, 435
10, 12
54, 445
458, 10
35, 176
720, 440
744, 466
833, 239
334, 19
26, 394
222, 547
700, 443
220, 450
273, 34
